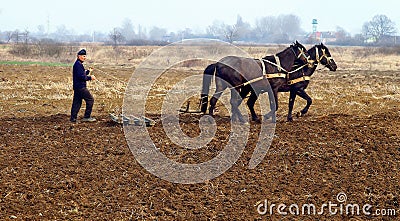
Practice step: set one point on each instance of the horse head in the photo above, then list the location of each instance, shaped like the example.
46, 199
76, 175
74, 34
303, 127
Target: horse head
300, 51
323, 56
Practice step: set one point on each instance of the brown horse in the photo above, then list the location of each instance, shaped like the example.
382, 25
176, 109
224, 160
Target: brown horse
244, 75
299, 80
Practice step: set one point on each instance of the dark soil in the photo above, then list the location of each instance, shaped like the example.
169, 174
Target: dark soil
55, 170
51, 169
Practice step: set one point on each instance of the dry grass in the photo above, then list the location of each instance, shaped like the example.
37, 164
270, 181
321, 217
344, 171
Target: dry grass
364, 82
348, 58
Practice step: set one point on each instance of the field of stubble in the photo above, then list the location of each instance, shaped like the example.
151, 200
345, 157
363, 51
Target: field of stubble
349, 142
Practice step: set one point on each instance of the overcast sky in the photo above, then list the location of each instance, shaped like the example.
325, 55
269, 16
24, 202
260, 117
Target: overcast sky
93, 15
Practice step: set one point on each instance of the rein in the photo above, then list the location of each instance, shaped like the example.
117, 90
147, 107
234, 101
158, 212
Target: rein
314, 62
273, 75
279, 66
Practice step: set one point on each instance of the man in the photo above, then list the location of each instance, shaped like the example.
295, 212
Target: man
80, 76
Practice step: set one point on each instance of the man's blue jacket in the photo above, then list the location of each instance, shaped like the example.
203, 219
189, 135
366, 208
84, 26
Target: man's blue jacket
80, 75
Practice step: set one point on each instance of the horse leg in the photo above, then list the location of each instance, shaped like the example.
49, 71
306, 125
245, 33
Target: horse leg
213, 102
244, 91
306, 97
273, 102
276, 105
220, 87
236, 100
292, 98
250, 103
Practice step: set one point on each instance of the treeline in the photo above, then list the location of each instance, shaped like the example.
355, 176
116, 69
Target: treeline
269, 29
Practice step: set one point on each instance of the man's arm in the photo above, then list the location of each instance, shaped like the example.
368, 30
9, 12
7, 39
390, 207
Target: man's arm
81, 74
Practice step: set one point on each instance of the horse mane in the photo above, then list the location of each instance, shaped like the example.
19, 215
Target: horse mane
285, 51
272, 57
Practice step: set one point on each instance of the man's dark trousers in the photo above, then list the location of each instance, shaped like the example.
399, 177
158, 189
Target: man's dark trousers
80, 94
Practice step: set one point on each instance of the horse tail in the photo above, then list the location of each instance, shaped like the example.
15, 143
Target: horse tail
207, 78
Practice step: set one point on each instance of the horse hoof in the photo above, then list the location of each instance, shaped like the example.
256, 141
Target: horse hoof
302, 114
289, 119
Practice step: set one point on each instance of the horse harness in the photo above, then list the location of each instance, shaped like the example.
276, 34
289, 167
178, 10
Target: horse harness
277, 64
287, 74
311, 62
319, 58
281, 69
281, 75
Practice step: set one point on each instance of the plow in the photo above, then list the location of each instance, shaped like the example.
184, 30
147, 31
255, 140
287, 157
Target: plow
140, 121
187, 109
132, 120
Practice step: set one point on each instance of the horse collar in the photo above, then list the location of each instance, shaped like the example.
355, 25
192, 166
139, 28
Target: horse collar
317, 55
278, 63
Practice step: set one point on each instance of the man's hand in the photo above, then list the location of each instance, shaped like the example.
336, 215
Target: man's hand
93, 78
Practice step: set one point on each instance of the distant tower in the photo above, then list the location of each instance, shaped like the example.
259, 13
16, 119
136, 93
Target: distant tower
314, 25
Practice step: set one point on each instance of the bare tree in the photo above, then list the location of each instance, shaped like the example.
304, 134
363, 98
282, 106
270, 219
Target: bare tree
16, 35
342, 36
25, 36
127, 29
378, 27
223, 31
116, 36
283, 28
231, 33
186, 33
243, 29
9, 35
289, 26
265, 27
63, 34
141, 32
157, 33
215, 28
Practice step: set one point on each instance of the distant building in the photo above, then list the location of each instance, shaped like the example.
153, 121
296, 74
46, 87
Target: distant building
386, 40
324, 37
318, 36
